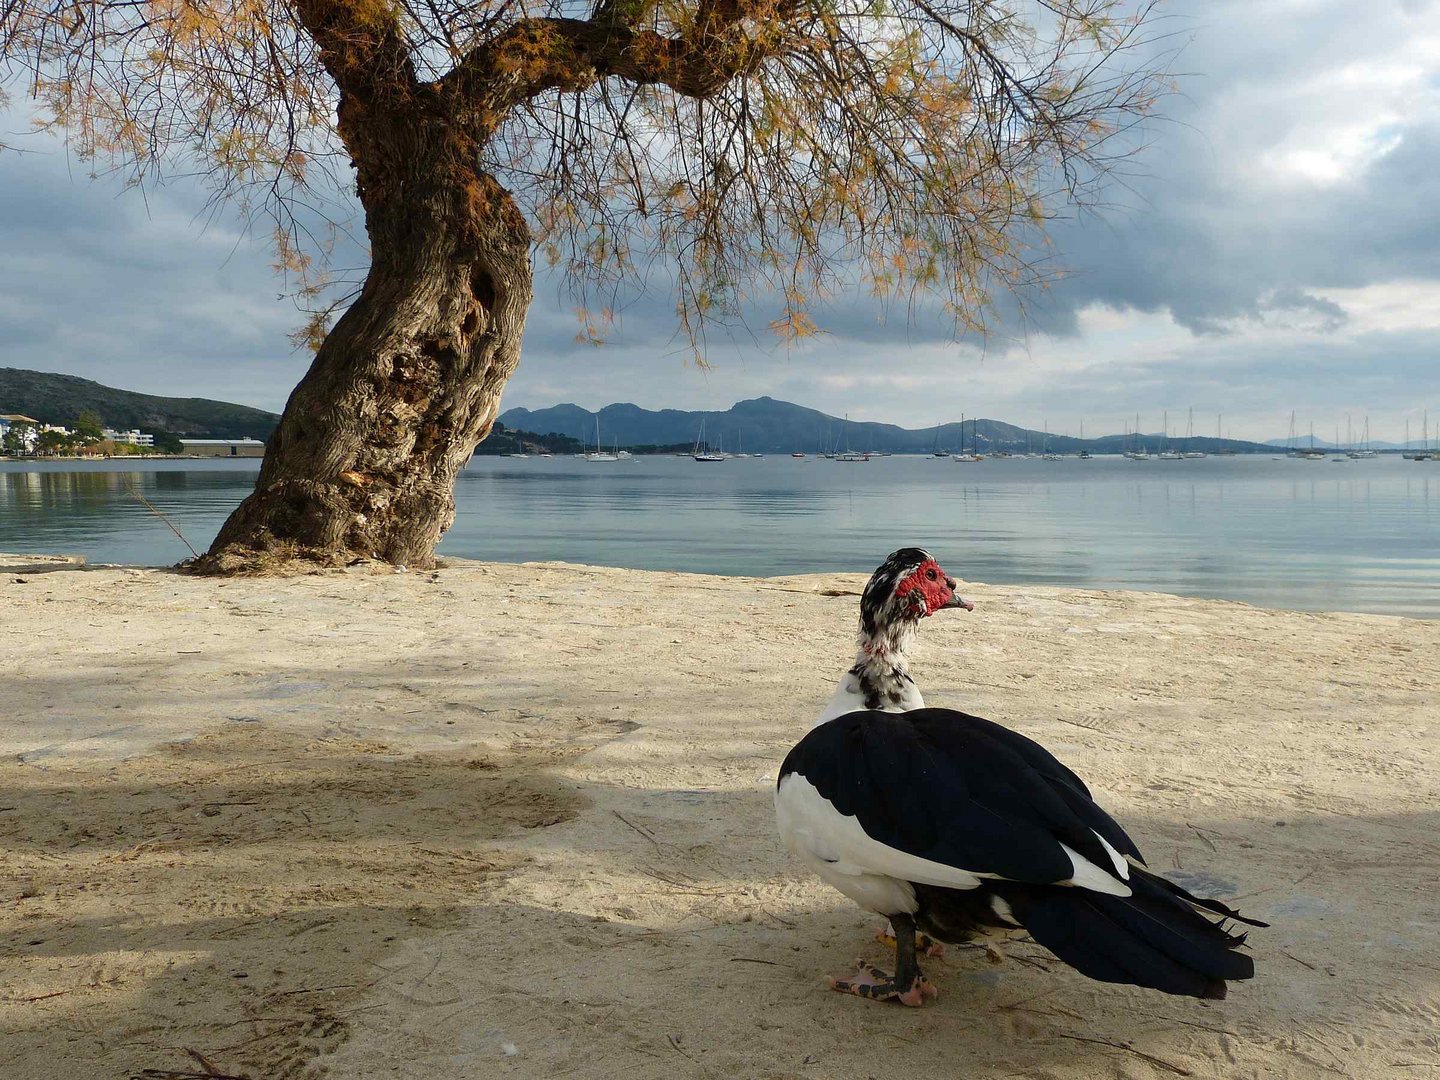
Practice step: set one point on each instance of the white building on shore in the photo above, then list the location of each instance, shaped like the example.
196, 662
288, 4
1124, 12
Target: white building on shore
133, 437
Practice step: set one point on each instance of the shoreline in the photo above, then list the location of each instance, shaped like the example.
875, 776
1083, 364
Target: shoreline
399, 824
11, 562
119, 457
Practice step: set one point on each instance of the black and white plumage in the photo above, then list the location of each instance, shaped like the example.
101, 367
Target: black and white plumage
908, 586
959, 828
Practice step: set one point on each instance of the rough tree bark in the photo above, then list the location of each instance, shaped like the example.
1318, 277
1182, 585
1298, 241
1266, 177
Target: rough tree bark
363, 462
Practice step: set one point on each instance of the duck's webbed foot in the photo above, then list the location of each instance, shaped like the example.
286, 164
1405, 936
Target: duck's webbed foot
872, 982
908, 985
923, 943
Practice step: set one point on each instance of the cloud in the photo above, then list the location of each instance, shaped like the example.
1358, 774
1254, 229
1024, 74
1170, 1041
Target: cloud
1301, 155
1275, 247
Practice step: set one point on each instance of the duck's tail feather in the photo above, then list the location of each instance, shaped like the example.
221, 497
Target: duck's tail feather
1153, 938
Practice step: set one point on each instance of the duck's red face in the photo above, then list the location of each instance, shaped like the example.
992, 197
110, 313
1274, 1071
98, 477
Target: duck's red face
907, 586
929, 589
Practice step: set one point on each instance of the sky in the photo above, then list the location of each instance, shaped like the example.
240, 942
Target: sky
1275, 248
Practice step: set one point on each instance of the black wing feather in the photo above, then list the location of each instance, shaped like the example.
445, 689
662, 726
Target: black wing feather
958, 790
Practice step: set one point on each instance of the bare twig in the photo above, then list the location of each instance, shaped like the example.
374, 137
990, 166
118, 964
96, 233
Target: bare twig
314, 989
37, 997
675, 1044
643, 832
1271, 888
1161, 1062
1191, 1023
158, 513
1023, 1001
1200, 833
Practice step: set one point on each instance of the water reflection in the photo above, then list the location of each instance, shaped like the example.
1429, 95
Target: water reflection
1280, 533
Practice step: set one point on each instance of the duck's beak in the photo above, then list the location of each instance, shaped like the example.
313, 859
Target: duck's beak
956, 600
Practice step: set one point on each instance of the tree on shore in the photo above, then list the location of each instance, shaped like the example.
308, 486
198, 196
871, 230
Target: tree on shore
18, 438
89, 428
165, 441
53, 442
732, 151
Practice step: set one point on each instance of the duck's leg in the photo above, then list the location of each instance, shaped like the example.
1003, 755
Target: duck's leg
908, 985
924, 942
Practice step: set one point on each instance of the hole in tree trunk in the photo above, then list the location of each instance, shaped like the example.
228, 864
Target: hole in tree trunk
483, 287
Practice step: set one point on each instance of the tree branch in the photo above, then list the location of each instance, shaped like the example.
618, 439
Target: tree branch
537, 55
362, 47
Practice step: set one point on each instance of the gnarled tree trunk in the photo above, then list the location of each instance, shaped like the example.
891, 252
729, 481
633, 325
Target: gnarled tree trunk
363, 462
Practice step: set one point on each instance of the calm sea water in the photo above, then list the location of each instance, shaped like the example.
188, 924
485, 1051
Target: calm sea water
1357, 535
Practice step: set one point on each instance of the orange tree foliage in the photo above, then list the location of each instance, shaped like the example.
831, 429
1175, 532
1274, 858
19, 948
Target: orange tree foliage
753, 151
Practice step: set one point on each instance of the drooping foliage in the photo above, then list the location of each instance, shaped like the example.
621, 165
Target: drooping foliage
746, 153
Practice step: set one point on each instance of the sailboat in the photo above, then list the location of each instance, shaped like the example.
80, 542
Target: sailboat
600, 454
1189, 435
1084, 454
848, 454
1137, 452
1363, 450
1169, 453
1221, 451
706, 454
962, 455
936, 450
1046, 454
1427, 454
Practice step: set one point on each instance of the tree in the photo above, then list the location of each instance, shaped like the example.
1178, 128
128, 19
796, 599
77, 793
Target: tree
18, 438
743, 149
165, 442
53, 442
89, 428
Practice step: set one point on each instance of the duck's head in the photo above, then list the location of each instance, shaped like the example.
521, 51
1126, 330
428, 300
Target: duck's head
907, 586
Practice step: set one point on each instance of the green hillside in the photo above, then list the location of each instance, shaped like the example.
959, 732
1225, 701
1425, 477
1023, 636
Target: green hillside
60, 399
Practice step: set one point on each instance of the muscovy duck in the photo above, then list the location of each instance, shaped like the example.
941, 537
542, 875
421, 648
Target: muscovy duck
954, 827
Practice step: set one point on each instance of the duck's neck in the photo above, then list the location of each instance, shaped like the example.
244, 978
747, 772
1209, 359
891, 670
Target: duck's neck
880, 678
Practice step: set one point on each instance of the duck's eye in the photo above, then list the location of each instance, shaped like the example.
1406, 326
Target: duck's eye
930, 574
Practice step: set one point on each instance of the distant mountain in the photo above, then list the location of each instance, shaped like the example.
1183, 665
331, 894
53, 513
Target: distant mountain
60, 399
1303, 443
781, 427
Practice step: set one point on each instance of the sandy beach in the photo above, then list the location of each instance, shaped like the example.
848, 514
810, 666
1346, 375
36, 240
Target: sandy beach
515, 821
